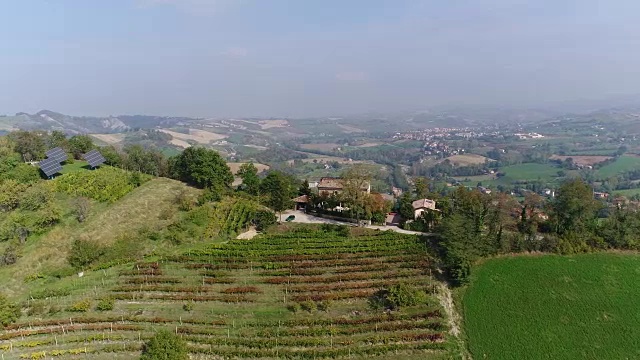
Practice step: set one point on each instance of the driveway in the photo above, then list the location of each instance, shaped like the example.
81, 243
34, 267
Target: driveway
304, 218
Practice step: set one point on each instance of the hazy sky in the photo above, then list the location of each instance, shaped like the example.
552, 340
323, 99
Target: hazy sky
310, 57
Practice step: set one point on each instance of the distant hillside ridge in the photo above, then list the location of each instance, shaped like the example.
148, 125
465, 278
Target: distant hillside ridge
51, 120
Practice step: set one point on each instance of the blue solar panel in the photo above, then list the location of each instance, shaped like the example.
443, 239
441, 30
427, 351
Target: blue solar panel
50, 167
58, 154
94, 158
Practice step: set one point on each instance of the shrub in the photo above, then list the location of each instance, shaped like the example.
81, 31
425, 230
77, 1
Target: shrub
308, 305
81, 207
293, 307
398, 295
9, 312
10, 191
184, 200
36, 308
80, 306
188, 306
165, 345
36, 197
324, 305
106, 304
9, 257
263, 219
83, 253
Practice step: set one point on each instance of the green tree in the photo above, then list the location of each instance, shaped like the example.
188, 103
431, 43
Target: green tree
29, 144
57, 138
422, 188
112, 156
356, 182
9, 312
574, 208
461, 245
79, 145
304, 188
165, 346
278, 190
250, 180
202, 167
406, 207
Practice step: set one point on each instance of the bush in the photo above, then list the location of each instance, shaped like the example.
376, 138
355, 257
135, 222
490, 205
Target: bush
263, 219
308, 305
397, 296
83, 253
187, 306
9, 312
293, 307
184, 201
80, 306
105, 304
324, 305
36, 308
36, 197
10, 191
81, 207
165, 345
9, 257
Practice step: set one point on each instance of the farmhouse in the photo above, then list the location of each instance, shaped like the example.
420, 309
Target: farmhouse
333, 185
422, 205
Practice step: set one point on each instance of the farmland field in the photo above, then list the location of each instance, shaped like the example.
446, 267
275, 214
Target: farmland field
583, 160
555, 307
321, 146
530, 171
623, 163
467, 159
300, 294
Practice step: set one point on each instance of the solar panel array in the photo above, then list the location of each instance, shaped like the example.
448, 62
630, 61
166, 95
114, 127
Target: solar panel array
50, 166
57, 154
94, 158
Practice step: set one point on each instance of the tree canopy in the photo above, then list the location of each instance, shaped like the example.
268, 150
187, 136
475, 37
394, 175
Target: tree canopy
202, 167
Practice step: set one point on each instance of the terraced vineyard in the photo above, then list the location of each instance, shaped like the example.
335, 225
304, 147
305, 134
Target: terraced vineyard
303, 294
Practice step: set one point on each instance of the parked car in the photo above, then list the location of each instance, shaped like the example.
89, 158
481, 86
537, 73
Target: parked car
290, 218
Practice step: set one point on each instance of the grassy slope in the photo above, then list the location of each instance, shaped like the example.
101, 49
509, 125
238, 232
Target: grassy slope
236, 322
139, 209
555, 307
624, 163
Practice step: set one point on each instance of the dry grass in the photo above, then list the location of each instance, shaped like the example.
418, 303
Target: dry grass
582, 160
321, 147
145, 207
199, 136
328, 159
110, 139
467, 159
268, 124
369, 144
235, 166
179, 143
351, 129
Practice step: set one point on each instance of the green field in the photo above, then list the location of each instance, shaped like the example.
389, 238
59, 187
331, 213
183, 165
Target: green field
530, 171
301, 294
627, 192
624, 163
77, 165
555, 307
